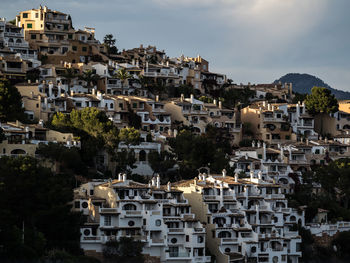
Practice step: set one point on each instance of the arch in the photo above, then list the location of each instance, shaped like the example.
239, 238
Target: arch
18, 41
129, 207
10, 40
346, 127
283, 181
220, 221
224, 234
142, 156
292, 218
196, 129
18, 151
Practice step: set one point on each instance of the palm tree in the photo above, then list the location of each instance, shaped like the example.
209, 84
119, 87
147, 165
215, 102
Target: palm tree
69, 74
90, 77
124, 76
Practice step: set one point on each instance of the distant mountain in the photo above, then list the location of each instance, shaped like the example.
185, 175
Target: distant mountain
303, 83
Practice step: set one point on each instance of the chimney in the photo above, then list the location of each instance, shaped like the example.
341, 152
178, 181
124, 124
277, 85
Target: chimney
167, 63
224, 173
290, 153
307, 140
246, 156
124, 177
264, 151
59, 90
41, 123
192, 98
120, 177
204, 175
50, 89
169, 186
32, 94
93, 91
326, 140
220, 104
236, 177
29, 81
260, 175
182, 97
214, 101
282, 154
175, 132
253, 144
251, 175
157, 98
268, 106
72, 92
264, 104
158, 181
137, 63
37, 81
153, 181
259, 144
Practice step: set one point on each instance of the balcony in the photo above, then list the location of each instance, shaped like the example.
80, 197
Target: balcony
228, 241
108, 211
183, 255
176, 230
91, 240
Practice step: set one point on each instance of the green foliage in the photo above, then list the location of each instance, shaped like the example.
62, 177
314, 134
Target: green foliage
299, 97
206, 99
335, 182
68, 158
130, 136
245, 143
193, 151
175, 92
92, 126
321, 101
109, 42
90, 77
125, 250
161, 162
233, 96
10, 102
32, 195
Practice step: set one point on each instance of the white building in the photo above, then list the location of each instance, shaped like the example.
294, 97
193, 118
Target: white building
159, 216
247, 220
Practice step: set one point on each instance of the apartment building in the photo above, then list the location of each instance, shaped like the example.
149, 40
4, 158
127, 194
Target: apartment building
52, 34
12, 37
189, 111
268, 123
247, 220
157, 215
225, 119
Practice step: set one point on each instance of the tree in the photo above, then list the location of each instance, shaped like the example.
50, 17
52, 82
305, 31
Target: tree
109, 42
130, 136
34, 197
69, 74
124, 76
90, 77
322, 102
126, 249
10, 102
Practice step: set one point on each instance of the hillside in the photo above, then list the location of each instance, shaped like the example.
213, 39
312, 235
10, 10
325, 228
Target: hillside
303, 83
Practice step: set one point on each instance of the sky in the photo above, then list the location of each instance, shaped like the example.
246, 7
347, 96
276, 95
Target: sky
255, 41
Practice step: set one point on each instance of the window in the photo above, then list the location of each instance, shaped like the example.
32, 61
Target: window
77, 204
84, 49
317, 151
187, 238
85, 205
267, 136
134, 105
107, 220
158, 222
25, 15
36, 15
144, 222
131, 223
121, 105
37, 105
200, 239
33, 36
253, 249
65, 27
173, 240
74, 48
29, 25
91, 192
227, 250
287, 137
111, 105
70, 36
87, 232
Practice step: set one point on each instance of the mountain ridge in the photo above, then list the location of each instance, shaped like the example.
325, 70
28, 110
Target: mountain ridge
303, 83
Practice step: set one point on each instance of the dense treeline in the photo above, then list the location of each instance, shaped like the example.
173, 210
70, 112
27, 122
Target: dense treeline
36, 221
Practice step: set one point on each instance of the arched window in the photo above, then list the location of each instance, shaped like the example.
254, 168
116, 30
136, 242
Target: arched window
142, 156
18, 151
18, 41
224, 234
10, 40
293, 219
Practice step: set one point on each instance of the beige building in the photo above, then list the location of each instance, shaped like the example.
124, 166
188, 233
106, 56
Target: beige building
268, 123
